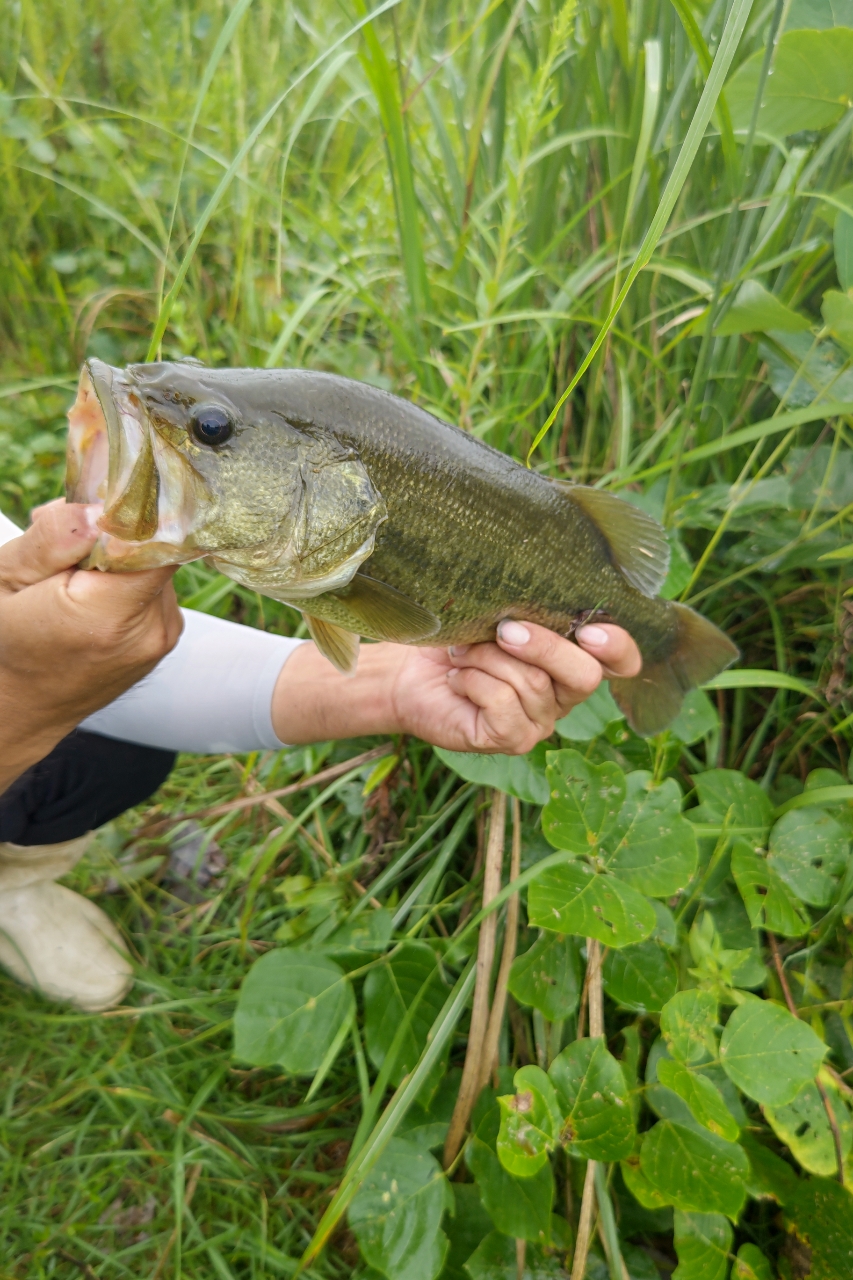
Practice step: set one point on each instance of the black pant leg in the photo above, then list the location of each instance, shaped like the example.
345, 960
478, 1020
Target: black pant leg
85, 781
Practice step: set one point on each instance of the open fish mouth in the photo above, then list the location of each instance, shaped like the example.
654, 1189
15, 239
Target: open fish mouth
149, 491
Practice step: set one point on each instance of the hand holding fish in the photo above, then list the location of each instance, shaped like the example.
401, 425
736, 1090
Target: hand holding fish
495, 697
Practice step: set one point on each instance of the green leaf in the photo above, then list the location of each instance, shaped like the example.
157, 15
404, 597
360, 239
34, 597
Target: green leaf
519, 1207
641, 978
820, 1214
744, 678
653, 846
396, 1213
521, 776
637, 1182
803, 1126
593, 1098
703, 1242
411, 975
590, 718
769, 903
768, 1053
290, 1008
811, 84
575, 899
751, 1264
696, 719
843, 243
496, 1259
687, 1023
837, 308
818, 14
727, 791
702, 1097
584, 801
756, 310
693, 1169
808, 848
548, 976
530, 1123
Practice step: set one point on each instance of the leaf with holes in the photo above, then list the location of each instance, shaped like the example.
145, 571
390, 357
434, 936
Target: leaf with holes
584, 802
769, 903
396, 1213
547, 977
803, 1126
687, 1023
575, 899
703, 1242
290, 1008
702, 1097
695, 1170
808, 849
652, 847
768, 1053
641, 978
530, 1123
594, 1101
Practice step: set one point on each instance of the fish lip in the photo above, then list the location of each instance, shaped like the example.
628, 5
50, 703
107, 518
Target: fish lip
101, 376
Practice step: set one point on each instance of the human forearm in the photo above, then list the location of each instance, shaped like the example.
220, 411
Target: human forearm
313, 702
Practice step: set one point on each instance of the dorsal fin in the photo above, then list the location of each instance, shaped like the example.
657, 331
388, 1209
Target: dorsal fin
636, 540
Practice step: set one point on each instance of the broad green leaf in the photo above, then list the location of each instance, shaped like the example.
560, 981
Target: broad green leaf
769, 903
811, 84
696, 719
593, 1097
751, 1264
817, 14
584, 801
591, 717
808, 848
519, 1207
843, 244
290, 1008
530, 1123
725, 792
703, 1242
390, 990
694, 1169
687, 1023
756, 310
819, 1212
641, 978
575, 899
495, 1258
466, 1229
837, 311
637, 1182
548, 976
702, 1097
652, 847
768, 1053
521, 776
803, 1126
396, 1213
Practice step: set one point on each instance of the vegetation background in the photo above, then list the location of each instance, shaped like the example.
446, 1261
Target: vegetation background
445, 201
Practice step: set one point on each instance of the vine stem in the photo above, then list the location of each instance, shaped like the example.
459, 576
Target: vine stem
596, 1028
470, 1086
496, 1017
821, 1088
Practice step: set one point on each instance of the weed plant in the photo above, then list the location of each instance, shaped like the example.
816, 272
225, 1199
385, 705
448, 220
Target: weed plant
447, 199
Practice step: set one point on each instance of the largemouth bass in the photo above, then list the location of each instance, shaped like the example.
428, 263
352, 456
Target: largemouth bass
372, 517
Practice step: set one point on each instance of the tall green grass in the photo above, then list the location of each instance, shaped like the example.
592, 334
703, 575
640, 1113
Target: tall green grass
465, 203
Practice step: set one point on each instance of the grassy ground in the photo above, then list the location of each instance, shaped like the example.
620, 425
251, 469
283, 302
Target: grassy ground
443, 205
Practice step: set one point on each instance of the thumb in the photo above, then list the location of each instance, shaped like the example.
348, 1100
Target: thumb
59, 539
120, 593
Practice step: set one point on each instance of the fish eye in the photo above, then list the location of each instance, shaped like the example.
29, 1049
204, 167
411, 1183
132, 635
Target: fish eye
211, 425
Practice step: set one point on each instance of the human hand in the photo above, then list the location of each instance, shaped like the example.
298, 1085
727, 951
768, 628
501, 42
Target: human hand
70, 640
500, 697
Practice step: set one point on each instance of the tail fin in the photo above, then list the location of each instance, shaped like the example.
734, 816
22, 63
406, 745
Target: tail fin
653, 699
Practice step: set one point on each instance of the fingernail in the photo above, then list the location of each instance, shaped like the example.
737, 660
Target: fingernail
457, 650
513, 632
594, 636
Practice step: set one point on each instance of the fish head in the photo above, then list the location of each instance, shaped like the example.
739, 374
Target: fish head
190, 463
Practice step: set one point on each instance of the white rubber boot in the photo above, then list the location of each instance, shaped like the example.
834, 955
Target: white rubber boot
53, 940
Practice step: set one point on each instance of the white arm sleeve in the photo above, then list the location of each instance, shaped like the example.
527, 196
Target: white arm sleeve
212, 693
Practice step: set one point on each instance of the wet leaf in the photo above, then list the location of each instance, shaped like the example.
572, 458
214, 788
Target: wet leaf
641, 978
652, 847
584, 801
768, 1053
769, 902
811, 84
594, 1101
693, 1169
803, 1126
575, 899
396, 1213
547, 977
290, 1008
703, 1242
808, 849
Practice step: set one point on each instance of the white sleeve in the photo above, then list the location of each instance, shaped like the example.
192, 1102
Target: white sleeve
8, 530
212, 693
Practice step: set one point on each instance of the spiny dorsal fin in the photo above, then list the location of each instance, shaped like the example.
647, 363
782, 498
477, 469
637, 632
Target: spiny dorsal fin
381, 612
638, 543
339, 646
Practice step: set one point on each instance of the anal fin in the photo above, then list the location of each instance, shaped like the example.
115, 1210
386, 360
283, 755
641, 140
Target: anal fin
336, 644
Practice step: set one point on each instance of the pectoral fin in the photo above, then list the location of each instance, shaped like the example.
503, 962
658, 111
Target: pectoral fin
336, 644
374, 609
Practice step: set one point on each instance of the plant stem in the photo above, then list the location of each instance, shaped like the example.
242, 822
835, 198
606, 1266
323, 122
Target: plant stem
596, 1028
496, 1017
585, 1224
469, 1089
